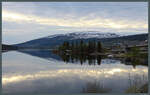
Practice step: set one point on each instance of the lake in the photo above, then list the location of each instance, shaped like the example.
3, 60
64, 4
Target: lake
40, 71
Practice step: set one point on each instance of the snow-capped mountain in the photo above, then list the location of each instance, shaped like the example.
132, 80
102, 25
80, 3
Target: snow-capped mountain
86, 35
56, 40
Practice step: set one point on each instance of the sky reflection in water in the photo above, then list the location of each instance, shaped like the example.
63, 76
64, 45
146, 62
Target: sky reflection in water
23, 73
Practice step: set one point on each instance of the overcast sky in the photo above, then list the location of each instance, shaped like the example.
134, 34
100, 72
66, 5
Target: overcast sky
26, 21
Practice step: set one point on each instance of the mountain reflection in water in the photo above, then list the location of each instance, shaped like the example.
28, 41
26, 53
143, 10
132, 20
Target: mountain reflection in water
27, 74
75, 59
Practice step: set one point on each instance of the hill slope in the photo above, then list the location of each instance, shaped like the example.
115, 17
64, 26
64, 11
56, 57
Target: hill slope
105, 38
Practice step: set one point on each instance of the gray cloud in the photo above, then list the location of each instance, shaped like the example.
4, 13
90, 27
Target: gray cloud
34, 20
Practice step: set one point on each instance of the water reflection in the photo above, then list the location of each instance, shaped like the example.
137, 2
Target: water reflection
77, 78
95, 59
93, 72
95, 87
23, 73
77, 59
46, 54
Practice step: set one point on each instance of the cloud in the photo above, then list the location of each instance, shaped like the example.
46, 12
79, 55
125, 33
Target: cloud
83, 22
34, 20
70, 73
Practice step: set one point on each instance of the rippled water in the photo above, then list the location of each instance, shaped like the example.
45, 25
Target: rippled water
43, 72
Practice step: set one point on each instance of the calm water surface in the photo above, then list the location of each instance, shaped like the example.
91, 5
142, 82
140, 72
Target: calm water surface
44, 72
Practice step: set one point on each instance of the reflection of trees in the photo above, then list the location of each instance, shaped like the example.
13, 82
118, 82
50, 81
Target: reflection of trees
82, 58
65, 58
136, 57
99, 60
94, 87
134, 63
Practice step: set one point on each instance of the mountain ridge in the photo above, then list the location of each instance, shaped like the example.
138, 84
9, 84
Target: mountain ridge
55, 40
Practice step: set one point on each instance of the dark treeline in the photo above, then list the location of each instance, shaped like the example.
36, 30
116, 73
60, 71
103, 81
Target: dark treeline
81, 47
80, 51
9, 47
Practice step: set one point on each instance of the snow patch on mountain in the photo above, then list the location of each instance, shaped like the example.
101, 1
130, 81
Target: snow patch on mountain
86, 35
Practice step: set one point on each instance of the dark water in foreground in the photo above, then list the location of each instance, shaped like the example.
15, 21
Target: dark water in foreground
44, 72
